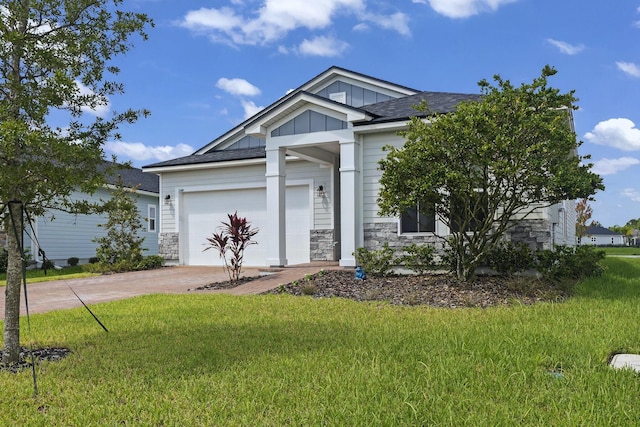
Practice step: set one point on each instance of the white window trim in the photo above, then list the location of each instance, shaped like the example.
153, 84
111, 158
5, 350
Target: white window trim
151, 229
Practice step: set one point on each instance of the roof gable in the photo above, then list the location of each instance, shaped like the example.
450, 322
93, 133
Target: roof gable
393, 103
310, 89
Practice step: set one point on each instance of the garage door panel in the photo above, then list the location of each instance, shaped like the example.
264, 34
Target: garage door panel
203, 213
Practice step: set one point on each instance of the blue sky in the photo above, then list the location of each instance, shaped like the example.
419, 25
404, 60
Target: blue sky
210, 64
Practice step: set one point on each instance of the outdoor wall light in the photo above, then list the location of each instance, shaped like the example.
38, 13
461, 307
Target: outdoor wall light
320, 191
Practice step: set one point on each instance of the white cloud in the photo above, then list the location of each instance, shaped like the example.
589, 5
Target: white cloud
613, 166
398, 22
100, 110
140, 151
322, 46
465, 8
237, 87
618, 133
629, 68
361, 27
632, 194
250, 109
276, 18
564, 47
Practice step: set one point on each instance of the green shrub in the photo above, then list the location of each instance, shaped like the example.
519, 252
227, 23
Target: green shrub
150, 262
93, 260
73, 261
47, 265
378, 262
565, 262
418, 258
510, 258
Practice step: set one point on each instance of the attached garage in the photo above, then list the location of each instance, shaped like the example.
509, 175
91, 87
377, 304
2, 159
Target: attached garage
202, 212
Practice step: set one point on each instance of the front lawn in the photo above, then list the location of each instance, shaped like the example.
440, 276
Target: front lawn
282, 360
38, 275
623, 250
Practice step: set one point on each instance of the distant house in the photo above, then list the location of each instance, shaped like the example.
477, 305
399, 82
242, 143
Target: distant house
63, 235
600, 236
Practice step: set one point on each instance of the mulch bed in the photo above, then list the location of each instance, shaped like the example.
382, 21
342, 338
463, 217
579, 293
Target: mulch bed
435, 290
50, 354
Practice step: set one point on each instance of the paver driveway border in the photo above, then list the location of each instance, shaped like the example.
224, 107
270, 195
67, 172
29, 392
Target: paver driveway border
58, 294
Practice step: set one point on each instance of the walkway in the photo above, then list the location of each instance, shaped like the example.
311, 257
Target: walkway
58, 294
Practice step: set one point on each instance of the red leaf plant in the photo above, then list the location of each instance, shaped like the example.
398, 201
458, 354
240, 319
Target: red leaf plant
233, 238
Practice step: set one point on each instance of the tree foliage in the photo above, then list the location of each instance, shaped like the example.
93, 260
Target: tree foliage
488, 165
56, 69
583, 215
121, 244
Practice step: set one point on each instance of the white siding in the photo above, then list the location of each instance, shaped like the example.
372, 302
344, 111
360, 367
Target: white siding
371, 173
249, 176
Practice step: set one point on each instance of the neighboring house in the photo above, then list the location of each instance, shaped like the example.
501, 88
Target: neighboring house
600, 236
62, 235
305, 172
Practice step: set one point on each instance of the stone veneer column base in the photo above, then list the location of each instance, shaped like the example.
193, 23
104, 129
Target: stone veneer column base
169, 248
323, 245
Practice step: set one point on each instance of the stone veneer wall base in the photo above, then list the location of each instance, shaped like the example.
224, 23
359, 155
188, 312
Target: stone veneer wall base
169, 247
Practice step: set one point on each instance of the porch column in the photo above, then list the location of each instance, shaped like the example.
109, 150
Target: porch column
350, 202
276, 240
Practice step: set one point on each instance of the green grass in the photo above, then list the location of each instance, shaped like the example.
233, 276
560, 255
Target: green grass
628, 250
278, 360
38, 275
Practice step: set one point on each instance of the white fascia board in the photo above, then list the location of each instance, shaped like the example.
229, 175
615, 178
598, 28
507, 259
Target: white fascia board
380, 127
129, 189
333, 74
200, 166
301, 100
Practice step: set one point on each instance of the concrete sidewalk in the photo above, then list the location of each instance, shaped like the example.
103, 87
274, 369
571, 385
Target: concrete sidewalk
58, 294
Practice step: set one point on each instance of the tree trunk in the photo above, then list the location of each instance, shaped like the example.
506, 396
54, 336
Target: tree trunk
12, 289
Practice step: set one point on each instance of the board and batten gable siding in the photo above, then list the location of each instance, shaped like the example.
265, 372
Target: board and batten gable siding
62, 235
248, 176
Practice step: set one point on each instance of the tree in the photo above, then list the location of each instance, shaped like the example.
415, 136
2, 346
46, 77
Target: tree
634, 223
488, 165
56, 69
583, 215
121, 246
234, 237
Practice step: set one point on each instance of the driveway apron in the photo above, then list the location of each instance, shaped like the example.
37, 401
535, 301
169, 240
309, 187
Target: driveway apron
59, 294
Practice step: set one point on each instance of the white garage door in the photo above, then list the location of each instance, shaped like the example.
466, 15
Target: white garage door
203, 212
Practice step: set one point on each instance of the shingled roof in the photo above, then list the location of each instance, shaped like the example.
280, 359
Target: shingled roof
404, 108
596, 230
215, 156
132, 177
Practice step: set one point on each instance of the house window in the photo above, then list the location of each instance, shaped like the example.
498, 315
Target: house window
151, 223
466, 206
415, 220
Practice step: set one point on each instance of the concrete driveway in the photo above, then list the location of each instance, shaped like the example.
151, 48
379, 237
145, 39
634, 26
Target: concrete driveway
58, 294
